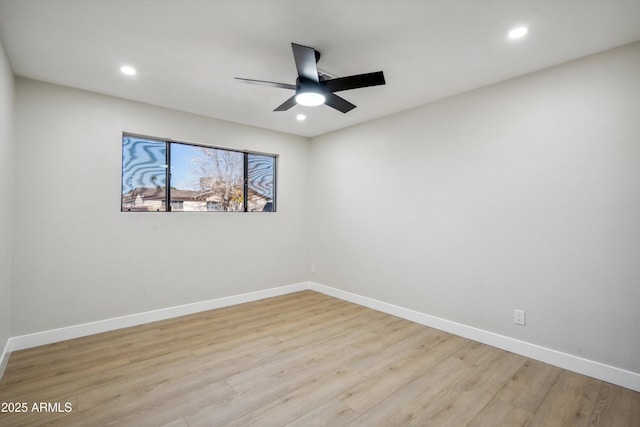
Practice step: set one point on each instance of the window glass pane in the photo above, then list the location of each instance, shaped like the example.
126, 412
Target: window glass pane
144, 173
206, 179
260, 177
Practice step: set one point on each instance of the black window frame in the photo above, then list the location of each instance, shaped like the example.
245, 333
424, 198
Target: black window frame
168, 187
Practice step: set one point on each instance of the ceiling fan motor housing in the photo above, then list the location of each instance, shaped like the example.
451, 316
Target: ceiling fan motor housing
304, 85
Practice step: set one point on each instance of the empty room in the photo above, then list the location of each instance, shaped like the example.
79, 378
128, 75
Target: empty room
319, 213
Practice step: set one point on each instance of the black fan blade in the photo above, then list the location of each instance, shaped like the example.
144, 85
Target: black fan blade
305, 58
265, 83
287, 104
354, 82
340, 104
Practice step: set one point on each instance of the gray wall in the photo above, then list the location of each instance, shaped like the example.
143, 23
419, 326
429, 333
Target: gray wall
6, 194
79, 259
524, 194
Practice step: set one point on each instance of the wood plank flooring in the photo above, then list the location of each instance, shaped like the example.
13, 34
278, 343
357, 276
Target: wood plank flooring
303, 359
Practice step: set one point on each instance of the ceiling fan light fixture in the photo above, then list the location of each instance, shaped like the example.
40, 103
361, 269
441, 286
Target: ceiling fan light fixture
310, 99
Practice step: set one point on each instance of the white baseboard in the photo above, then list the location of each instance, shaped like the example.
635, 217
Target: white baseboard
55, 335
570, 362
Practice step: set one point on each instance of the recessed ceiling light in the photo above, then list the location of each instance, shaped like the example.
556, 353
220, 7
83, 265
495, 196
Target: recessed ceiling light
518, 32
128, 70
301, 117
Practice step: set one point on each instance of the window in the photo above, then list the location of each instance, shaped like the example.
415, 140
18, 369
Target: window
188, 177
177, 205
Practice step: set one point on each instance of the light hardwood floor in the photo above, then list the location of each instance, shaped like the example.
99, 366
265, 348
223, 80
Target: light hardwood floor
303, 359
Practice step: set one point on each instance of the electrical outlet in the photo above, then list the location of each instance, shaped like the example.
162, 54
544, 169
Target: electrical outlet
313, 268
518, 317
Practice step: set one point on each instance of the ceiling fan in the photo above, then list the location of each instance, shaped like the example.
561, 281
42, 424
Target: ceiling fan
313, 88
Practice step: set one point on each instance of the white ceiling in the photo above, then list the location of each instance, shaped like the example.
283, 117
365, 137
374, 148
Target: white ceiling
187, 52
